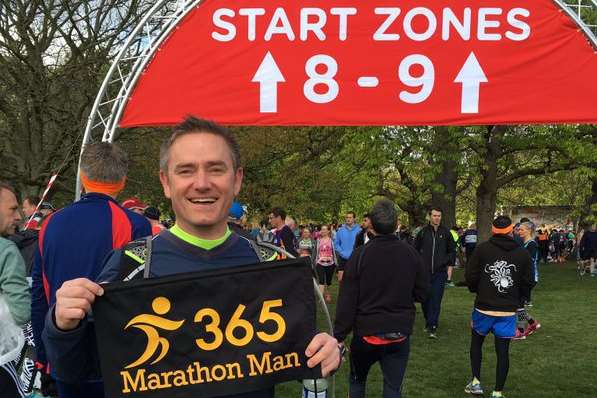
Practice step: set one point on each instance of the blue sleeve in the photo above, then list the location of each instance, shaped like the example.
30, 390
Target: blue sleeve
73, 354
111, 267
338, 244
141, 227
39, 306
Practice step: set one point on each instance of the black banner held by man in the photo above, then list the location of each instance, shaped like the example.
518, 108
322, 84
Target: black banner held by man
208, 333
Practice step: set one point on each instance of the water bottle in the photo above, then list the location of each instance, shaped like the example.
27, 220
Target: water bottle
315, 388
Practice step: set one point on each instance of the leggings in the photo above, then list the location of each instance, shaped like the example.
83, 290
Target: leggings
502, 347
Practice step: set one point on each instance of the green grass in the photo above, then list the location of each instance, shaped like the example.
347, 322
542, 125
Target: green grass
560, 360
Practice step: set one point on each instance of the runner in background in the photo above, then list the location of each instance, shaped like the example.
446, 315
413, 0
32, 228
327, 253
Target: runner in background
306, 244
14, 290
526, 325
498, 273
153, 216
543, 241
283, 235
456, 237
366, 232
435, 244
470, 238
344, 241
74, 241
382, 281
325, 261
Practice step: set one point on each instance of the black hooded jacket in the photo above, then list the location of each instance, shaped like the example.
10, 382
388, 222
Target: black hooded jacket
437, 248
381, 283
499, 271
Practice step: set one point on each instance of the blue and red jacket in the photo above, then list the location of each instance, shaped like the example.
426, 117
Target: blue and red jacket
73, 243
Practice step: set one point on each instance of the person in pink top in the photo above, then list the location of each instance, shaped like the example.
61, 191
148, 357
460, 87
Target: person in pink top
325, 261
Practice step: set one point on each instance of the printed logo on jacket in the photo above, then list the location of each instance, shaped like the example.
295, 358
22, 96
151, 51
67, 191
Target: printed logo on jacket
207, 334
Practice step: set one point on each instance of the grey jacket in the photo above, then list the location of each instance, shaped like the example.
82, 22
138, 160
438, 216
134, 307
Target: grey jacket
13, 283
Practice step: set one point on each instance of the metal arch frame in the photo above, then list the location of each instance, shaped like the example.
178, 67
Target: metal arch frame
139, 48
576, 9
128, 65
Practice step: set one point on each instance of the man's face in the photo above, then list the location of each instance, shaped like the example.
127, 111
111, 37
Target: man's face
366, 223
28, 208
9, 212
201, 182
275, 221
349, 219
435, 217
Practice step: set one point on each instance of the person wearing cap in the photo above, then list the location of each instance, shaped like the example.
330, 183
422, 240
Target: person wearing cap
499, 273
235, 216
153, 216
134, 204
74, 241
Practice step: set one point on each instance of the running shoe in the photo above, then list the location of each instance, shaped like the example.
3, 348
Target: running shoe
532, 328
474, 389
496, 394
450, 284
519, 335
432, 333
528, 304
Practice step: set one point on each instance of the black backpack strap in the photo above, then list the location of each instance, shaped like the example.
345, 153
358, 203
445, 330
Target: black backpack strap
135, 261
265, 251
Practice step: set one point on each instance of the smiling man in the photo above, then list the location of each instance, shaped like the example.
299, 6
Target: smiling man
201, 174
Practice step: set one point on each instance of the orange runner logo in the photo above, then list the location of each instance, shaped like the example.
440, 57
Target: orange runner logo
149, 324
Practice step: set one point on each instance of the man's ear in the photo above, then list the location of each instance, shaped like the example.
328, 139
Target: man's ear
238, 180
165, 183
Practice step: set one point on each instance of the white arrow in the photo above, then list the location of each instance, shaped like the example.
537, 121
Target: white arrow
471, 76
268, 76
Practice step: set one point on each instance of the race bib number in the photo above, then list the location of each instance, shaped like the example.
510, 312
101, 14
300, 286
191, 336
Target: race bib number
207, 334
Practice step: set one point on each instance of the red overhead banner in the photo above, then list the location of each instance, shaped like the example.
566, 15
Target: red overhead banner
374, 62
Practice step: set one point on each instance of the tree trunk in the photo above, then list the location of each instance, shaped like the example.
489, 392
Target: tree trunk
443, 192
588, 214
446, 199
487, 189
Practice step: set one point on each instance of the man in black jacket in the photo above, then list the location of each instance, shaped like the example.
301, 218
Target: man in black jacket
436, 245
499, 271
366, 233
381, 283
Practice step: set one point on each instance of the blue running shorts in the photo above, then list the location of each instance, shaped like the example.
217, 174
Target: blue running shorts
501, 326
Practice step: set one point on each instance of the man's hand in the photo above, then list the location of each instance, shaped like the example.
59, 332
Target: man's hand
73, 302
340, 275
323, 349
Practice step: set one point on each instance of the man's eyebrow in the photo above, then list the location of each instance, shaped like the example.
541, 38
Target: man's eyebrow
216, 163
185, 165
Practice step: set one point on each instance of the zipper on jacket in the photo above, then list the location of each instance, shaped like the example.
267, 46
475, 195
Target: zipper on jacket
433, 251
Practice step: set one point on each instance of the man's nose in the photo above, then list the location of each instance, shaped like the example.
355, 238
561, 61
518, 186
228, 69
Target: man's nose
201, 180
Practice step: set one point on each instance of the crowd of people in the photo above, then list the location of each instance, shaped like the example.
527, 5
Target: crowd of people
53, 261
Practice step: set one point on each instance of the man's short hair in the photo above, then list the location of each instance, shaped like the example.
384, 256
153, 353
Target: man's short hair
104, 162
435, 208
279, 212
8, 187
384, 217
194, 125
32, 199
366, 215
351, 213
